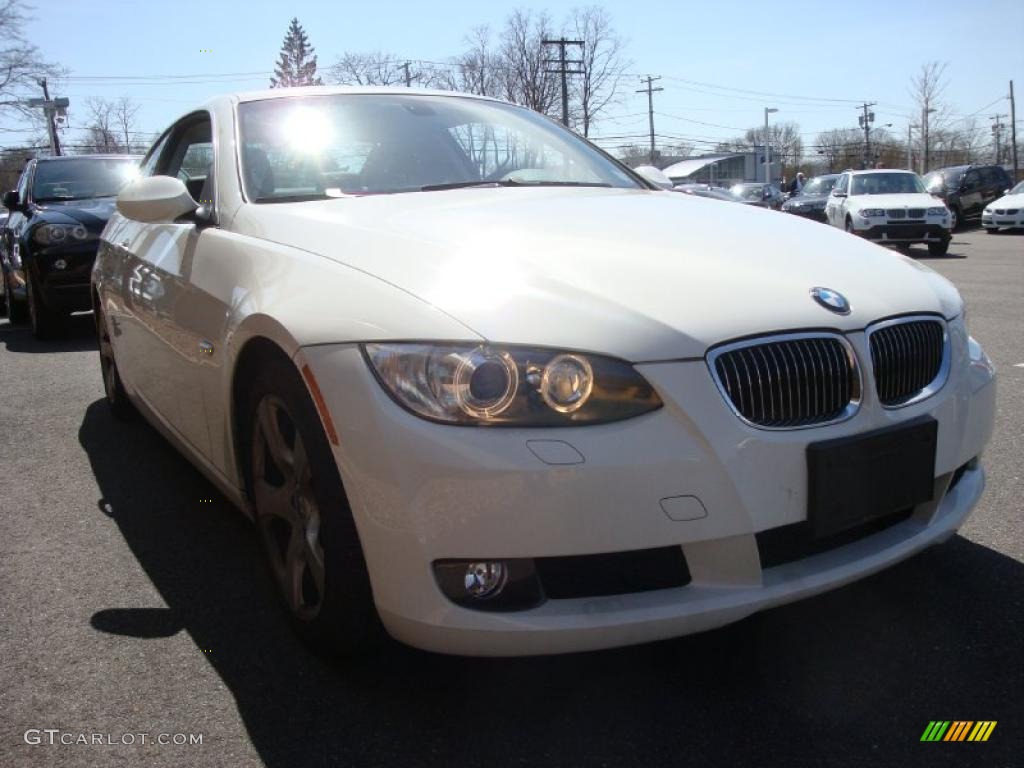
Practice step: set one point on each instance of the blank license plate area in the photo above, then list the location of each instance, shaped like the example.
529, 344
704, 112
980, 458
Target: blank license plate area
853, 480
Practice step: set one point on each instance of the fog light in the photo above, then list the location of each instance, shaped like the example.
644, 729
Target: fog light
484, 580
490, 585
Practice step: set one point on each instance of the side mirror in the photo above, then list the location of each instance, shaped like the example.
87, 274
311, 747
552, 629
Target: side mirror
655, 176
154, 199
838, 193
11, 201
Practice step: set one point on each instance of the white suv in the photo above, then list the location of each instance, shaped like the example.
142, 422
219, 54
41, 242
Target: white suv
890, 207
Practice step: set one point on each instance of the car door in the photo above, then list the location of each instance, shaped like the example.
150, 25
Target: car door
993, 182
834, 207
164, 311
17, 223
971, 199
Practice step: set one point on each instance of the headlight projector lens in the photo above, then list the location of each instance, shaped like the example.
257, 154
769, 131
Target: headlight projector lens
486, 382
567, 383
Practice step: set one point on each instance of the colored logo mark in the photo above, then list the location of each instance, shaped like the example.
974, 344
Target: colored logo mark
958, 730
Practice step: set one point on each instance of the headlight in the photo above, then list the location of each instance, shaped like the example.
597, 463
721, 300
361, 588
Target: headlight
869, 213
940, 211
988, 210
512, 386
55, 234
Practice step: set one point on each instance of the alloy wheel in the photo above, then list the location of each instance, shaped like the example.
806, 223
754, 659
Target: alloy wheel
287, 512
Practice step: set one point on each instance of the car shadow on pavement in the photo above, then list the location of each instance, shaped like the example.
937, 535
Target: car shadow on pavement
851, 677
79, 336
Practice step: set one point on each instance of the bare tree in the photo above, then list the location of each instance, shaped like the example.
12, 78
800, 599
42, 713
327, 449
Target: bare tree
526, 79
787, 146
102, 131
124, 111
370, 68
478, 69
926, 88
603, 64
839, 148
21, 63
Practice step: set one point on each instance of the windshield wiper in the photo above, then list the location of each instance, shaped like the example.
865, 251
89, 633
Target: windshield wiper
511, 183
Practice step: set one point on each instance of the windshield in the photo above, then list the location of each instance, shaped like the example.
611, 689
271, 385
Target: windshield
748, 191
81, 178
886, 183
1018, 190
319, 147
820, 185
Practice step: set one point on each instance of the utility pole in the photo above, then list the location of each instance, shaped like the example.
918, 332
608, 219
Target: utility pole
563, 70
1013, 131
865, 121
768, 147
50, 108
997, 134
408, 77
925, 111
650, 90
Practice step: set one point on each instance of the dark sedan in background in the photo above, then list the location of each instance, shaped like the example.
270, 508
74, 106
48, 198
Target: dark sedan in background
48, 244
968, 189
759, 194
810, 203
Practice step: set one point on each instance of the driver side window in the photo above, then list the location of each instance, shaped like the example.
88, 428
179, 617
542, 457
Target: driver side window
188, 156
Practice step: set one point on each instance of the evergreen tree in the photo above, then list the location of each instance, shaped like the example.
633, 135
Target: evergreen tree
297, 64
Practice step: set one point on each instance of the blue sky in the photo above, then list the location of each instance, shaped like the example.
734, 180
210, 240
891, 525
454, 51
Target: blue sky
804, 52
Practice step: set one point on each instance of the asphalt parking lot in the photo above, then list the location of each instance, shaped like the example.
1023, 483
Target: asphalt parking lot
133, 600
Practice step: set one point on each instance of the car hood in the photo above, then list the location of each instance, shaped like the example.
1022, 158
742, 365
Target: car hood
805, 199
1008, 201
93, 214
642, 275
903, 200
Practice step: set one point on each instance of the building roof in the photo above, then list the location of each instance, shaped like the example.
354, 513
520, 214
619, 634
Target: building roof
688, 167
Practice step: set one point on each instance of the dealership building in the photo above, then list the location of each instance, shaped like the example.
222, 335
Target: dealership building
722, 170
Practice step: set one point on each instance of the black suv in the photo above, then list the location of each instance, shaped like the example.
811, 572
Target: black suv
967, 189
48, 244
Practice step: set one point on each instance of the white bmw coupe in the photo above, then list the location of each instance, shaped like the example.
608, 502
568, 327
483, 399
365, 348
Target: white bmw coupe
484, 388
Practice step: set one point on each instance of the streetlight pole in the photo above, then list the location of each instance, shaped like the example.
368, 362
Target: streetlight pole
910, 146
767, 147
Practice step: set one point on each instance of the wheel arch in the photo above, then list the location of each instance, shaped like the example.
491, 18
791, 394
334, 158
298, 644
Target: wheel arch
256, 351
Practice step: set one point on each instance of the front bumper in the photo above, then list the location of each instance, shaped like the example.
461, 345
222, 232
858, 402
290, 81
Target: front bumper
64, 276
906, 233
422, 492
1003, 221
815, 214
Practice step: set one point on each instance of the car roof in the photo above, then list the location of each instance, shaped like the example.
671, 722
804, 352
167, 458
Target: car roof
333, 90
60, 158
879, 170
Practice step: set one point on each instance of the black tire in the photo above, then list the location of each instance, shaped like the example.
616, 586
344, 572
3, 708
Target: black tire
938, 249
117, 398
957, 217
849, 226
992, 230
45, 322
326, 593
17, 311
